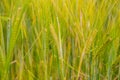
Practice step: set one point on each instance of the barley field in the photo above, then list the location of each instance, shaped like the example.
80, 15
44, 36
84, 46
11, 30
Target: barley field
59, 39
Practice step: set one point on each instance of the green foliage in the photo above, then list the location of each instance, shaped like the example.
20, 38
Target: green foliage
59, 40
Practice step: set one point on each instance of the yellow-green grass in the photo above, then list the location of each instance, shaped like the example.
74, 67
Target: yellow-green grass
59, 39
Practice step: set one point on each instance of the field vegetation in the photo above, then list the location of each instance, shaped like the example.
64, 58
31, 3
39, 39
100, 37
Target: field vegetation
59, 39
